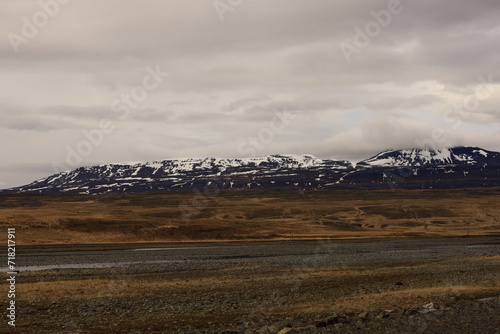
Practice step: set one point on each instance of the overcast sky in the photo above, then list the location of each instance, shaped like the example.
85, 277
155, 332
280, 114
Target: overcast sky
251, 77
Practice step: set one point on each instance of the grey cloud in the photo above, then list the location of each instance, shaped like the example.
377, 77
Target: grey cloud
98, 113
403, 103
77, 112
16, 118
246, 102
228, 78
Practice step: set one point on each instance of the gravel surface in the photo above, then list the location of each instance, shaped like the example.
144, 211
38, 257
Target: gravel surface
325, 253
330, 287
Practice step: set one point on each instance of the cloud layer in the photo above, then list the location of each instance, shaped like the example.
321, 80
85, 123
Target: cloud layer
427, 75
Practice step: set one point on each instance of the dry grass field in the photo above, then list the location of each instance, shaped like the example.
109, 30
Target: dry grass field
250, 215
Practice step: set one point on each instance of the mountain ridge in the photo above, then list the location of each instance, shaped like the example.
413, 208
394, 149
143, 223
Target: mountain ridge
408, 168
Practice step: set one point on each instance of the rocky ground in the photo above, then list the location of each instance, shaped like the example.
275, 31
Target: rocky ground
401, 286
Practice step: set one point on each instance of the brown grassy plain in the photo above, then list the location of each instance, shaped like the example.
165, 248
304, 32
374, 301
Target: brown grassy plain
250, 215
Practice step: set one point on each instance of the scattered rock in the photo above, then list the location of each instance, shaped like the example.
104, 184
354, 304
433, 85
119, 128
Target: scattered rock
363, 315
264, 330
343, 320
485, 300
321, 324
410, 312
382, 315
287, 330
427, 308
333, 319
242, 323
275, 328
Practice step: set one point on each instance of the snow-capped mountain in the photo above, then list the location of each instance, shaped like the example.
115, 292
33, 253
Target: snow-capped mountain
457, 167
411, 168
181, 174
428, 157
